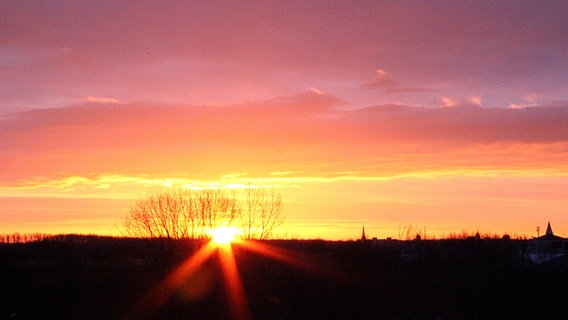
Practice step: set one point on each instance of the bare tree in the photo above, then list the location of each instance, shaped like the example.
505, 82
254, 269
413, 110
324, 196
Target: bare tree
157, 216
249, 214
217, 207
261, 212
411, 231
182, 213
270, 212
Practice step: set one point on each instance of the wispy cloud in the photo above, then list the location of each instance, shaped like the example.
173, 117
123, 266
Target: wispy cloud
100, 99
384, 82
474, 102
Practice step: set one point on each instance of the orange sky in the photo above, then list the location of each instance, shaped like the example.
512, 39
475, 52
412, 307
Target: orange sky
438, 116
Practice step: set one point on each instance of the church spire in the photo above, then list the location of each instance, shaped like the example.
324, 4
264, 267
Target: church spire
549, 230
363, 237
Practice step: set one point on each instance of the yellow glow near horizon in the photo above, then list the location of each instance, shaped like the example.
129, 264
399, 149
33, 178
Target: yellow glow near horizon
224, 235
442, 201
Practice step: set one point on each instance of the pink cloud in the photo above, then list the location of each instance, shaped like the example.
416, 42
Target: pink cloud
386, 83
54, 54
302, 133
100, 99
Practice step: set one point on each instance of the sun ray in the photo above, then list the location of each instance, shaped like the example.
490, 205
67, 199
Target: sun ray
272, 252
222, 241
233, 283
286, 256
162, 293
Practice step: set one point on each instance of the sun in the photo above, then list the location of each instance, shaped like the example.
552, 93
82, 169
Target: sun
224, 235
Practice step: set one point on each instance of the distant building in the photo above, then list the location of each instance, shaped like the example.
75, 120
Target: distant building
363, 237
477, 236
547, 247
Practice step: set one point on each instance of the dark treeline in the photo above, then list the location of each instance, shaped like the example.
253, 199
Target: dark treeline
91, 277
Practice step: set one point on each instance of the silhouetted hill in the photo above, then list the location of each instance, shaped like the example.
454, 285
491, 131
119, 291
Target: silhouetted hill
88, 277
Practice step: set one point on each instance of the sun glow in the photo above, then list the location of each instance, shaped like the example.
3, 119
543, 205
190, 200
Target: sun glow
221, 240
224, 235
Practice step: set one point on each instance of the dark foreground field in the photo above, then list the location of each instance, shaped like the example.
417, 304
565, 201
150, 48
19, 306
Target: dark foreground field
78, 277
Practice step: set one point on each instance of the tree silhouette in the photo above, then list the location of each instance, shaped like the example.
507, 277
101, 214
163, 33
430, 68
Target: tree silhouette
262, 212
180, 213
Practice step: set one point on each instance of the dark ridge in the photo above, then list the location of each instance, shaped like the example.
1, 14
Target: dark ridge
92, 277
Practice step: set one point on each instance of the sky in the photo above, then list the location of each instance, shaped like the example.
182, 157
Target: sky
431, 116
